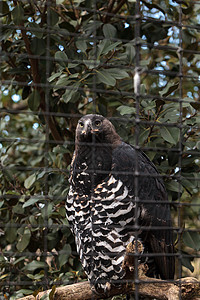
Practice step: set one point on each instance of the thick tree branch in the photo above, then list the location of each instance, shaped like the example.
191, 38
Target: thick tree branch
112, 11
36, 79
189, 288
33, 61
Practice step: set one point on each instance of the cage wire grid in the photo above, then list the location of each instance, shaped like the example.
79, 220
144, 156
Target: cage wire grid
37, 249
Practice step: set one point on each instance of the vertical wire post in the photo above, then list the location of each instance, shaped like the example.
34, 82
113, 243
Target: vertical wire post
180, 54
137, 122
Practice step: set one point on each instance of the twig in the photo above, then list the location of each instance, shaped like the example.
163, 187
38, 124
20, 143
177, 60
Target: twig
109, 9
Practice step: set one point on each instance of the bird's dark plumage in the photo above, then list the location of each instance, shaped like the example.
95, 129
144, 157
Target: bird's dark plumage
107, 177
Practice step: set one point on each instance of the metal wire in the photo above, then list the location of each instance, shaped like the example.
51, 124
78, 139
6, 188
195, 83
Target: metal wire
143, 14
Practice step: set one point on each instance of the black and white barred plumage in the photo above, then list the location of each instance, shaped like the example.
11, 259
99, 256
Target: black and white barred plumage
101, 206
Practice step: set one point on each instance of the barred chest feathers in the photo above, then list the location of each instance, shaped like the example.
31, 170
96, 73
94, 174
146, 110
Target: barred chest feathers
100, 212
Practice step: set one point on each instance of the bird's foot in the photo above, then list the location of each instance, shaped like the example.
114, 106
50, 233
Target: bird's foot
102, 289
133, 249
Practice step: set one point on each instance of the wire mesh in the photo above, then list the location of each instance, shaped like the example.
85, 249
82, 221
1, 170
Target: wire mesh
134, 62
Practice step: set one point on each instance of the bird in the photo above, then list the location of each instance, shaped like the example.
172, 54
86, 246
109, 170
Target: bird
116, 196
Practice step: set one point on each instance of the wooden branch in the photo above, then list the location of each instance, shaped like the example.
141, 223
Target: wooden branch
109, 9
121, 3
36, 79
112, 10
33, 61
187, 288
152, 288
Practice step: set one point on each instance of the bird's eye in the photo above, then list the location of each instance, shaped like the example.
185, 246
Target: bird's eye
97, 123
81, 124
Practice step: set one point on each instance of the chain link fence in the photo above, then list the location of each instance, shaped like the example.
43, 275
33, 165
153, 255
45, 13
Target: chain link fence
136, 63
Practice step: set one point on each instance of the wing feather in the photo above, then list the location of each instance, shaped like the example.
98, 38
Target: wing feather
142, 179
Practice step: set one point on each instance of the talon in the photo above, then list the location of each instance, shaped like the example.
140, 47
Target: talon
107, 288
131, 268
135, 247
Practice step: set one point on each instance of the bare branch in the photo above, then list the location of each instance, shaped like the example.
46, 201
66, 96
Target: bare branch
148, 287
186, 288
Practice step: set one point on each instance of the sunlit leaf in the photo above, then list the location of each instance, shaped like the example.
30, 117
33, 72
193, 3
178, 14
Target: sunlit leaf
30, 181
34, 265
170, 134
169, 89
24, 240
125, 110
31, 201
61, 58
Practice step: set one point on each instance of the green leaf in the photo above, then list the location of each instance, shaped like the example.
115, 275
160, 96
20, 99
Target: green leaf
38, 46
45, 297
24, 240
22, 258
34, 265
91, 63
104, 76
174, 186
47, 210
126, 110
109, 31
30, 181
64, 255
25, 291
59, 2
54, 17
54, 76
34, 100
10, 233
117, 73
144, 135
61, 58
61, 82
69, 94
18, 14
130, 52
36, 276
170, 88
81, 45
31, 201
186, 261
4, 8
92, 27
35, 29
170, 134
192, 240
198, 145
105, 46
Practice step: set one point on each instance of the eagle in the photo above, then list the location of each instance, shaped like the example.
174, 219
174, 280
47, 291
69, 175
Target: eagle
116, 197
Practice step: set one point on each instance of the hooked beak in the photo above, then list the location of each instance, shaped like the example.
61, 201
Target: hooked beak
87, 128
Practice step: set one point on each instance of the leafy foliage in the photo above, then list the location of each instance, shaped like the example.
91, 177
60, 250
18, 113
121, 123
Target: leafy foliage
61, 60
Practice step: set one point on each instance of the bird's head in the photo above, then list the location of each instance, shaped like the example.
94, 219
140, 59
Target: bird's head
95, 128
